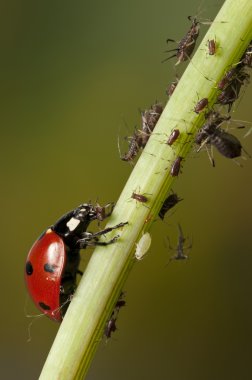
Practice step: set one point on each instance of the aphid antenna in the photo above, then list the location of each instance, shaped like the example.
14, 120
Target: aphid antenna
241, 125
206, 21
200, 11
196, 68
36, 317
29, 328
248, 133
118, 142
150, 154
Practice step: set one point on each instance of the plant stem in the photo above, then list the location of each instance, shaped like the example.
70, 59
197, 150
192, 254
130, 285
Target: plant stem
99, 289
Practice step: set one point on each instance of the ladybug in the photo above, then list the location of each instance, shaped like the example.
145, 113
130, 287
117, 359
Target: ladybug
52, 263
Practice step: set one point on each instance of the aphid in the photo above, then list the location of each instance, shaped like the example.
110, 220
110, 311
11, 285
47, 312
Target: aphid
111, 323
180, 249
247, 56
143, 246
150, 117
141, 137
110, 326
169, 203
175, 168
139, 197
228, 77
227, 144
120, 302
212, 46
201, 105
231, 92
187, 43
173, 137
101, 213
171, 88
213, 121
133, 148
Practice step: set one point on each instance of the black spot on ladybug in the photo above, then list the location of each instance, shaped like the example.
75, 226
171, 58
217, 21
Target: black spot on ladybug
29, 268
44, 306
49, 268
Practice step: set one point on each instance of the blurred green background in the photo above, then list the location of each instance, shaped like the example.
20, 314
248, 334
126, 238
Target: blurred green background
71, 74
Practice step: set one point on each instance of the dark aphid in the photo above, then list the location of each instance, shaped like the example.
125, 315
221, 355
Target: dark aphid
120, 302
110, 326
173, 137
175, 168
111, 323
231, 92
169, 203
227, 144
228, 77
187, 44
212, 47
201, 105
139, 197
213, 121
180, 249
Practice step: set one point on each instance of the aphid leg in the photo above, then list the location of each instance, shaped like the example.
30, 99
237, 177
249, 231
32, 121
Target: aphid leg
210, 155
203, 144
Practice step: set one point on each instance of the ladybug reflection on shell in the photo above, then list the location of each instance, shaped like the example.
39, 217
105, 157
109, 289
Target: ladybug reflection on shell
53, 261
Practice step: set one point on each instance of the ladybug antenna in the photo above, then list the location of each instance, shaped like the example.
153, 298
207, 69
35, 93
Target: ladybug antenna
118, 141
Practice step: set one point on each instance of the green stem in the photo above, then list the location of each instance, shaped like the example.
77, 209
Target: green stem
83, 326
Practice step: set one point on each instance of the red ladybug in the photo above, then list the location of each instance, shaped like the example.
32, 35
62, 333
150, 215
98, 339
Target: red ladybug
53, 261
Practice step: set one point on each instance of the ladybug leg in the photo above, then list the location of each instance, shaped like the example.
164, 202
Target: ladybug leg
92, 239
109, 229
101, 243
